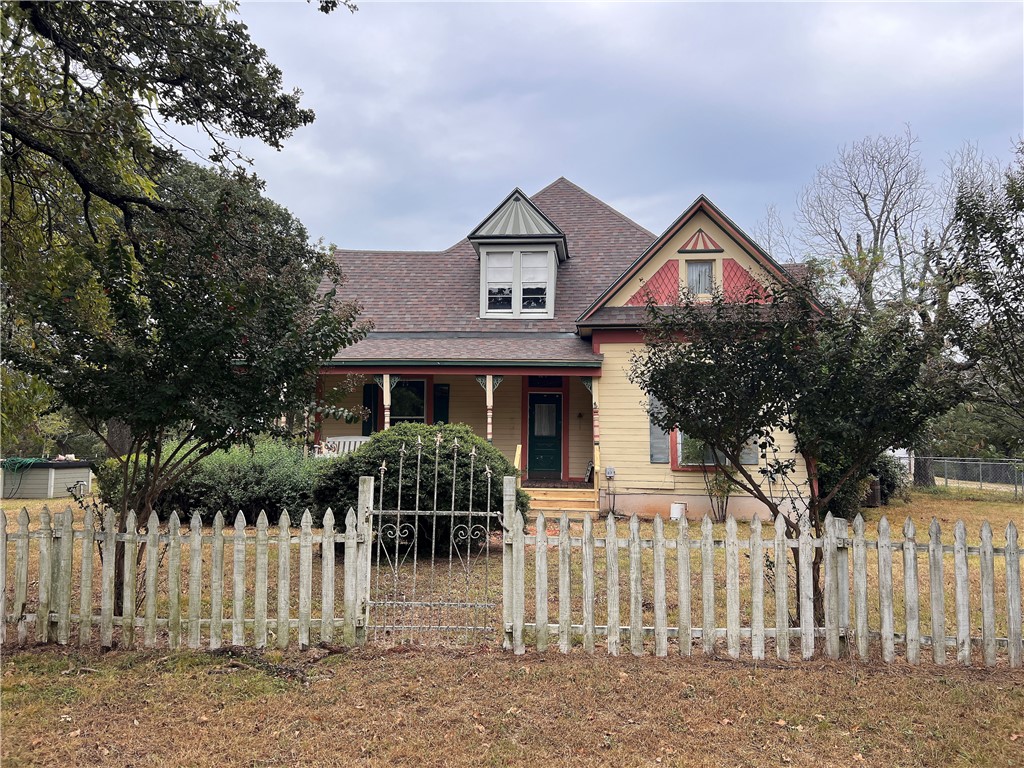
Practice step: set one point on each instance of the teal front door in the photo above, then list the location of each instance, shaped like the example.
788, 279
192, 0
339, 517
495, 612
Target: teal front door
544, 442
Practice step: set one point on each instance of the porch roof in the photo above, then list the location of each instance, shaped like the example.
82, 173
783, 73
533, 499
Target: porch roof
493, 349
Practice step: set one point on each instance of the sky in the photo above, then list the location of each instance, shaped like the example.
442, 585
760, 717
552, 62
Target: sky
428, 114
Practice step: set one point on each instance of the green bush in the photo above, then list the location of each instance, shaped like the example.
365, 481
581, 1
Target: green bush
273, 475
338, 486
887, 469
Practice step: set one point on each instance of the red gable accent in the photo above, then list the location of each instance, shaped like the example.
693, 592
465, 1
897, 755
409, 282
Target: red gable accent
663, 286
702, 242
738, 284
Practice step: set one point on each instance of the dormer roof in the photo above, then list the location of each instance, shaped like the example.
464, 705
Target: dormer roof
518, 220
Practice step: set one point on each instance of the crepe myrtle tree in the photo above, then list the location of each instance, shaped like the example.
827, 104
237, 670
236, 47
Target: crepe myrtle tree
845, 384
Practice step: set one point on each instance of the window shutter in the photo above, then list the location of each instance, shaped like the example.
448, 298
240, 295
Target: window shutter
660, 453
370, 404
442, 393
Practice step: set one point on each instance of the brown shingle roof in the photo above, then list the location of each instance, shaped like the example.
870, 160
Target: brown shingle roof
429, 348
440, 291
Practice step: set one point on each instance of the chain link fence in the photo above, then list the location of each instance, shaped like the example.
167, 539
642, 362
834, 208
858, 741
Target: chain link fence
1000, 475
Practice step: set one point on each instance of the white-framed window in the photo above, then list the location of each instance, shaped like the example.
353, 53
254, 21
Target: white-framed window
517, 281
700, 277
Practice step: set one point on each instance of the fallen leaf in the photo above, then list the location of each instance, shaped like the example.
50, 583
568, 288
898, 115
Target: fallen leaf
75, 733
202, 719
780, 721
726, 721
858, 758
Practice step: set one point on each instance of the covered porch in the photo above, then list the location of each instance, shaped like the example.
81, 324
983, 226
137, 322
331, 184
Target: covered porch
546, 421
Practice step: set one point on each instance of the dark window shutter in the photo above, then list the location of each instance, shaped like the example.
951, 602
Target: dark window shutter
659, 437
442, 393
370, 394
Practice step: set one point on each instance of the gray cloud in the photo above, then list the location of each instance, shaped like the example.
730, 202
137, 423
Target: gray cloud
428, 114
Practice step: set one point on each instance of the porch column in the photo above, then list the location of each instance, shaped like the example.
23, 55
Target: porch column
386, 386
597, 430
489, 383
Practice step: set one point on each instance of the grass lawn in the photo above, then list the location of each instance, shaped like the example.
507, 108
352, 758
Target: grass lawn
437, 707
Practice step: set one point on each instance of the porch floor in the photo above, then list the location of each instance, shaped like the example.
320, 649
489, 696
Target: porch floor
574, 484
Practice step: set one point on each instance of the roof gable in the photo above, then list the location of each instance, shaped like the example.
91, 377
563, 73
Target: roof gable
700, 242
518, 219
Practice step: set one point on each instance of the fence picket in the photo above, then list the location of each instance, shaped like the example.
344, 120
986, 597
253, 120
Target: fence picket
563, 584
66, 559
636, 605
305, 577
806, 581
541, 579
195, 579
988, 597
732, 589
217, 584
707, 584
284, 539
756, 590
327, 568
831, 558
885, 595
911, 595
611, 552
3, 577
781, 589
349, 595
963, 594
262, 566
937, 591
107, 580
1013, 606
843, 535
685, 631
21, 576
588, 583
174, 582
238, 582
660, 610
45, 576
152, 564
131, 567
860, 586
519, 585
85, 588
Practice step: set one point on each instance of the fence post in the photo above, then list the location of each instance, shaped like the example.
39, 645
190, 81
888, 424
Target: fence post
365, 545
507, 522
518, 574
67, 543
843, 535
588, 583
1013, 596
831, 558
541, 581
45, 577
885, 596
349, 596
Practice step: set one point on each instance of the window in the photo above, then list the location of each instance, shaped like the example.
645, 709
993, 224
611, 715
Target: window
408, 402
689, 452
659, 438
700, 277
517, 282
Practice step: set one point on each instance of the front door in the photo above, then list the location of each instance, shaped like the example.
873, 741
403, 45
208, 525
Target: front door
544, 442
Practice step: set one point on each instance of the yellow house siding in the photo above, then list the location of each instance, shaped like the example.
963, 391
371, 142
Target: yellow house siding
579, 427
625, 434
731, 250
354, 399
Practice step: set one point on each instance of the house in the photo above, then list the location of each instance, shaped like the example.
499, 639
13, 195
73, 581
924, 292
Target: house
524, 330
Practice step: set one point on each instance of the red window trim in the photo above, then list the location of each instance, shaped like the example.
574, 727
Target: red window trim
673, 457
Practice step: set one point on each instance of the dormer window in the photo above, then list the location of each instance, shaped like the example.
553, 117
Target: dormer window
517, 281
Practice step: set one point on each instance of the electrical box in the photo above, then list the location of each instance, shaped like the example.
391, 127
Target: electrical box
609, 472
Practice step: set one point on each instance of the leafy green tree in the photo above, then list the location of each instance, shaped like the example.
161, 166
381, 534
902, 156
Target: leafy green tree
203, 343
846, 385
990, 266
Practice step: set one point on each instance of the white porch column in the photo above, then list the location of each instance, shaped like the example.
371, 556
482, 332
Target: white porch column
597, 430
386, 386
489, 389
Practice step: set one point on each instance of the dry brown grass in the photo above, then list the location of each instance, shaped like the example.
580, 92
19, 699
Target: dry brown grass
484, 707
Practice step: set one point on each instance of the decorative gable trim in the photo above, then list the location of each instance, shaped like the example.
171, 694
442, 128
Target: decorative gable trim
738, 284
701, 205
518, 220
701, 242
662, 288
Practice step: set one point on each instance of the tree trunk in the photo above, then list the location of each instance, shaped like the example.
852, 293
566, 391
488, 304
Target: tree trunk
924, 471
119, 437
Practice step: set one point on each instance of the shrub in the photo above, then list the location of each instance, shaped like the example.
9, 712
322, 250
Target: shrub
272, 475
338, 486
892, 475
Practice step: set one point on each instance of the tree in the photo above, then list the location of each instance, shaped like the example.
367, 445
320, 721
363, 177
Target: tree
206, 341
846, 384
89, 88
989, 264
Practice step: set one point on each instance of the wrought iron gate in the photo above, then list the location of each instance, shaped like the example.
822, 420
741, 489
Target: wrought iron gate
436, 548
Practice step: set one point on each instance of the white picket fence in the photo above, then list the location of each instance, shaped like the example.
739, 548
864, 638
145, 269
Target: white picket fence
57, 575
579, 577
644, 591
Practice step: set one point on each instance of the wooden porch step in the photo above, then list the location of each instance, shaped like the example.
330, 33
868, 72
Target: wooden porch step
575, 501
